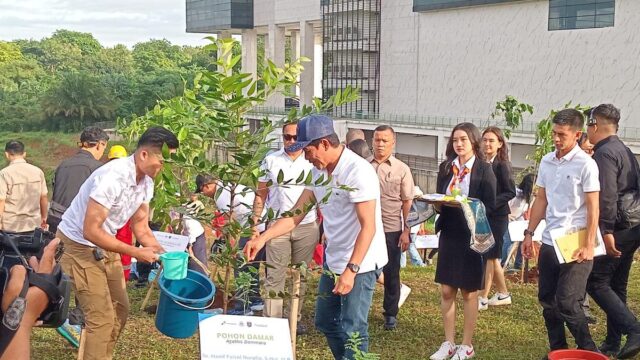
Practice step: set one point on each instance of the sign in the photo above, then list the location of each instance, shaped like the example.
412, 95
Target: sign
244, 338
516, 230
172, 242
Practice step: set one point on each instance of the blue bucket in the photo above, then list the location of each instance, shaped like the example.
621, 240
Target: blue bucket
181, 301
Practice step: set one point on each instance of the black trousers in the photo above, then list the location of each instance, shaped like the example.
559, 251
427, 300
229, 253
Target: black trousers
561, 289
392, 274
608, 286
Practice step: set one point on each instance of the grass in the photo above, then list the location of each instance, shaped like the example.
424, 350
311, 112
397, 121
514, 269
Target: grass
511, 332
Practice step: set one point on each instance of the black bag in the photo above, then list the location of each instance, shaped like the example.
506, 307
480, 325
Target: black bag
629, 204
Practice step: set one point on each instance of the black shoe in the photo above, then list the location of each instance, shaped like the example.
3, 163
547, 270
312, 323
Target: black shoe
301, 329
141, 283
609, 349
591, 319
631, 347
390, 322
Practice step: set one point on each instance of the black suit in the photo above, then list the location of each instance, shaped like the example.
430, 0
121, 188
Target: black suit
499, 219
458, 265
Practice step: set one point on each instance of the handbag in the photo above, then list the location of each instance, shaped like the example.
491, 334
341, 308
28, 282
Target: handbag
628, 215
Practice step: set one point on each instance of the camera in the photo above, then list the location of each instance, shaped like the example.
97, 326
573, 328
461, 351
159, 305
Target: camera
57, 285
28, 244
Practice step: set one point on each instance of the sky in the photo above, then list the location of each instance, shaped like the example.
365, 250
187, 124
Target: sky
110, 21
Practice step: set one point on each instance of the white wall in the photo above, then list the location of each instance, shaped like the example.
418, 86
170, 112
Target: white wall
285, 11
420, 145
459, 62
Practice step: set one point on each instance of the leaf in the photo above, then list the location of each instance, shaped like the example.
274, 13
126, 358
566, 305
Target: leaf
280, 176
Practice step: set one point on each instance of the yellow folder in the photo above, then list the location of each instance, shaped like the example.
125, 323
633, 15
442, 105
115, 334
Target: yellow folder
569, 243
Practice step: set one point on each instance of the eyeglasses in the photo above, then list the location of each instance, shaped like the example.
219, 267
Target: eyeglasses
592, 121
290, 137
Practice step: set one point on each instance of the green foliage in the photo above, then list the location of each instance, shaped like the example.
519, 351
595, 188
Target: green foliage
76, 97
512, 111
353, 343
133, 81
9, 52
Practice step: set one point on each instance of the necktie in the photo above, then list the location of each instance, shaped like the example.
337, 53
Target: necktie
457, 177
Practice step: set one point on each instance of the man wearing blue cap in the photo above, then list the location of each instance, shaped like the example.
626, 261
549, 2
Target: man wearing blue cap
356, 248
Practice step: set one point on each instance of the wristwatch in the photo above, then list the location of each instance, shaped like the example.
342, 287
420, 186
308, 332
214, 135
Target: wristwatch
353, 267
528, 232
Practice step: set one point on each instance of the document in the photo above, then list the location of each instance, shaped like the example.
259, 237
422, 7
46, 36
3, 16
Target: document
567, 240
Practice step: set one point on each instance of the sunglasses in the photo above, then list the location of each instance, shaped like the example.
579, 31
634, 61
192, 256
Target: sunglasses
290, 137
592, 120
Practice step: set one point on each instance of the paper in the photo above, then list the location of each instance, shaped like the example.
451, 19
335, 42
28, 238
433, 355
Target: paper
244, 337
567, 240
426, 241
516, 230
172, 242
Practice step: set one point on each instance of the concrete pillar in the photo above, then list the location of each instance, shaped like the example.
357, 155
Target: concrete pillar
224, 35
307, 50
295, 53
250, 52
275, 53
441, 147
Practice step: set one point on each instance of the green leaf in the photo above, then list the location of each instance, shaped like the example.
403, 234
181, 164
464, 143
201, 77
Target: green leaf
280, 176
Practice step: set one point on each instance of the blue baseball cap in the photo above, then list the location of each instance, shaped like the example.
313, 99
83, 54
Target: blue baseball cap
310, 128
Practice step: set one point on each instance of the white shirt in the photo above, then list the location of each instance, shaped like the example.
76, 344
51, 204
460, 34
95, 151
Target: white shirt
566, 180
341, 225
283, 198
464, 184
242, 203
113, 185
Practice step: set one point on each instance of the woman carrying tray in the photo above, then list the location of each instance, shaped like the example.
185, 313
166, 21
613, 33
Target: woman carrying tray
466, 173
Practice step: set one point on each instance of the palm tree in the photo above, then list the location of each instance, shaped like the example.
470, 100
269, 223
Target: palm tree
77, 96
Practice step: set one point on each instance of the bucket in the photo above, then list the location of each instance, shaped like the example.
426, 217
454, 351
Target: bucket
574, 354
174, 265
181, 301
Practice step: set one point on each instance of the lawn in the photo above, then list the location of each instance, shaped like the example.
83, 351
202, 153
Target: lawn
513, 332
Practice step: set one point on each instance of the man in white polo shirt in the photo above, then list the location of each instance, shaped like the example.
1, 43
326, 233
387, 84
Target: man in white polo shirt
567, 197
116, 192
356, 249
295, 246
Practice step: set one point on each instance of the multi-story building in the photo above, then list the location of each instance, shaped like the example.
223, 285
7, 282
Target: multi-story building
425, 65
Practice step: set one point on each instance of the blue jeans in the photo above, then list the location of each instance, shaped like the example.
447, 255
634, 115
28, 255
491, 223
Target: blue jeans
506, 245
337, 317
414, 255
254, 291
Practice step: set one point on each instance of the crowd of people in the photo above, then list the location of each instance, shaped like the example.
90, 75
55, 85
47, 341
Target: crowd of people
96, 209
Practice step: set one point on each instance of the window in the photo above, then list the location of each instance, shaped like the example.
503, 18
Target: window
580, 14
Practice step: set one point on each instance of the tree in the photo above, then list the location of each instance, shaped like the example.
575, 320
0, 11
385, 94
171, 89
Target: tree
76, 97
9, 52
156, 55
87, 44
210, 116
512, 111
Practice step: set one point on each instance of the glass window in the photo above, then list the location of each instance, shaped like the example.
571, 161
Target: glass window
580, 14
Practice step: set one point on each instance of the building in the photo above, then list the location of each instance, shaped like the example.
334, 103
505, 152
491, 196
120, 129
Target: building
425, 65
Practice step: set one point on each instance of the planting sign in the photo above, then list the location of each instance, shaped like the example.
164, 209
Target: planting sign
244, 338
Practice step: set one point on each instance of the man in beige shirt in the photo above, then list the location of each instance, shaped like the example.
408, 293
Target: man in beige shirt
23, 192
396, 196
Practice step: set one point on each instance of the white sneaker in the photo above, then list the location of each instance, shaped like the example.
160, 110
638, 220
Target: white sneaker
500, 299
404, 293
464, 352
445, 352
483, 303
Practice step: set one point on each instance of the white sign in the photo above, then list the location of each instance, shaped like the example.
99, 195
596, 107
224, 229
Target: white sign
244, 338
172, 242
516, 230
426, 241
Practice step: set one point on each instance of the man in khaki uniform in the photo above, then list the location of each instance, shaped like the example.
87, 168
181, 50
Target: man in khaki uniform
23, 192
396, 196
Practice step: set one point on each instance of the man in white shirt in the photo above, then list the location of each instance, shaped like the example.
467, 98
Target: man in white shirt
355, 242
298, 245
116, 192
567, 197
240, 211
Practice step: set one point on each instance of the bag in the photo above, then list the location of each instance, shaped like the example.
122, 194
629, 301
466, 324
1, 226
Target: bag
628, 215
